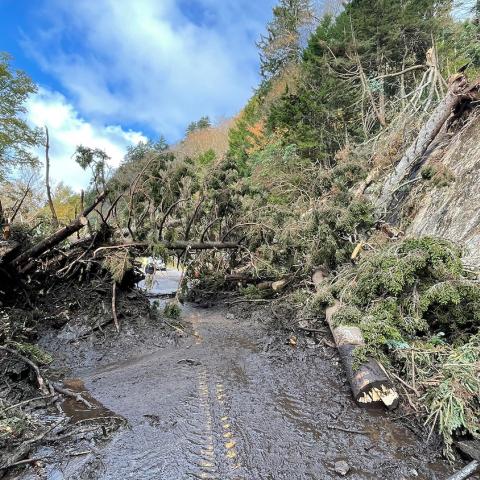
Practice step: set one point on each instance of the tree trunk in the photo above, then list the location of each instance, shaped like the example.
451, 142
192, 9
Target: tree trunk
423, 140
47, 178
369, 382
56, 238
179, 245
2, 220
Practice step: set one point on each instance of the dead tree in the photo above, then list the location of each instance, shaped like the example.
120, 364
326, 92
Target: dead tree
47, 178
459, 90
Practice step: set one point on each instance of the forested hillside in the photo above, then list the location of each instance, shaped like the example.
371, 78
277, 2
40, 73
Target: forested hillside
364, 127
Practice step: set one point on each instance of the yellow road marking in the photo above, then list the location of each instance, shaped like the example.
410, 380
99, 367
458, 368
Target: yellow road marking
207, 450
230, 443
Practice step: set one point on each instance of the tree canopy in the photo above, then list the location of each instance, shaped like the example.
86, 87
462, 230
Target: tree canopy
16, 137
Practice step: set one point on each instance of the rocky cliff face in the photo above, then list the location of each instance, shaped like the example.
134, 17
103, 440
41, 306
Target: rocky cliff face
452, 211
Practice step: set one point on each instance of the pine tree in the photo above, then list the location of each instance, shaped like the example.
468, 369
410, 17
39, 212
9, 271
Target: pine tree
204, 122
282, 46
352, 59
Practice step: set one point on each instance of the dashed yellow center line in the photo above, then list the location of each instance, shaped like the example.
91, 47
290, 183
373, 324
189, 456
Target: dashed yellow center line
207, 450
208, 463
196, 334
230, 442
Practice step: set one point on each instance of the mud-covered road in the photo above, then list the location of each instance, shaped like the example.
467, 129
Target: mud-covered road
229, 402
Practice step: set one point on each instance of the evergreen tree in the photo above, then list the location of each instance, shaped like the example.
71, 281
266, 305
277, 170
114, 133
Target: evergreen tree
281, 46
192, 126
16, 137
204, 122
344, 66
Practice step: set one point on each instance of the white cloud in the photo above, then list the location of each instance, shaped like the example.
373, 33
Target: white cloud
67, 129
156, 63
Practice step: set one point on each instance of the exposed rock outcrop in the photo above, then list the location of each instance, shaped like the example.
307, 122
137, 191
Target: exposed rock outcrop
452, 211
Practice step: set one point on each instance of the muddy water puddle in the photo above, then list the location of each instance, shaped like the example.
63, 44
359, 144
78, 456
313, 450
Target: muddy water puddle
90, 411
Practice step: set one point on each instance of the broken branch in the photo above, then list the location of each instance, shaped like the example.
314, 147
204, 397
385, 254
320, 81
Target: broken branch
56, 238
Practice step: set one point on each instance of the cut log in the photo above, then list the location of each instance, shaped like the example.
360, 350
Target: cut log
369, 383
279, 285
264, 285
49, 242
458, 91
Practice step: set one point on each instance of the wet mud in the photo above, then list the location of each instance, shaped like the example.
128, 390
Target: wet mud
228, 402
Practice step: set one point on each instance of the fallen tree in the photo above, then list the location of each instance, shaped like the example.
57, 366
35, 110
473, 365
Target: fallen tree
459, 91
175, 245
368, 382
417, 308
23, 261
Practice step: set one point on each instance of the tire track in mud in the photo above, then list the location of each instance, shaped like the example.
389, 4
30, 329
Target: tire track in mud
218, 424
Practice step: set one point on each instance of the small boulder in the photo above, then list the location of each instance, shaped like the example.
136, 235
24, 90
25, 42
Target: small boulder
342, 467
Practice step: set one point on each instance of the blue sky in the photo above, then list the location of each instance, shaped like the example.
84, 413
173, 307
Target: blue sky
113, 72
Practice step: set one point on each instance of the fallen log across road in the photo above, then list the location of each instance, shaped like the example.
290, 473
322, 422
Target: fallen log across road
25, 261
175, 245
369, 383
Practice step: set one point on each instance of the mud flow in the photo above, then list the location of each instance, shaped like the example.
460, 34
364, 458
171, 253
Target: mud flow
229, 403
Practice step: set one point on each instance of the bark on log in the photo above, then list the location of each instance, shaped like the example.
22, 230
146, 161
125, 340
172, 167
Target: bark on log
180, 245
457, 91
319, 275
246, 278
369, 384
57, 237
